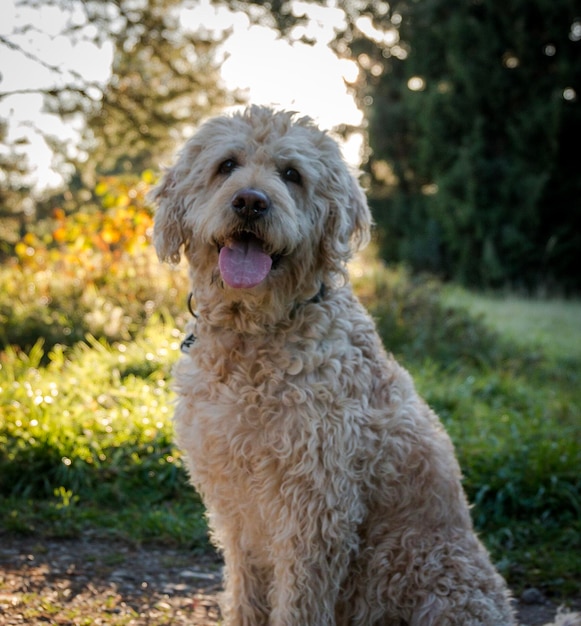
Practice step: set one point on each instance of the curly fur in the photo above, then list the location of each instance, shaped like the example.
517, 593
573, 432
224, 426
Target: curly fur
331, 487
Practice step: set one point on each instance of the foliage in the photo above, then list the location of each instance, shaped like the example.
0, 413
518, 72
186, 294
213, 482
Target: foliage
13, 191
101, 237
89, 272
85, 434
414, 322
164, 81
517, 436
86, 440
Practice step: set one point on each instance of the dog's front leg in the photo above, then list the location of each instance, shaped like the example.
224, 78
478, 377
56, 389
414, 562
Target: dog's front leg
304, 593
308, 573
244, 602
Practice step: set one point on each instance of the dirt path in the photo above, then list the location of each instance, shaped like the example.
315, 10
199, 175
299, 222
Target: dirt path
91, 582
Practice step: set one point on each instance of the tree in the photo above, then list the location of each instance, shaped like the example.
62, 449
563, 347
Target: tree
162, 80
13, 191
476, 125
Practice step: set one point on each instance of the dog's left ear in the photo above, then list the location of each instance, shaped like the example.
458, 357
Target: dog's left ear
348, 223
358, 215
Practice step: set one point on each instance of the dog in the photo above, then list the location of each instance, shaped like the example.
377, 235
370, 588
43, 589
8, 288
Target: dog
331, 488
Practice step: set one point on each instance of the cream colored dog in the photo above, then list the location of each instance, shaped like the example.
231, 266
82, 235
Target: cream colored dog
331, 487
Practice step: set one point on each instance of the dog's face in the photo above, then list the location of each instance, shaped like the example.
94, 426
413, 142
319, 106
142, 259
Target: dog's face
260, 201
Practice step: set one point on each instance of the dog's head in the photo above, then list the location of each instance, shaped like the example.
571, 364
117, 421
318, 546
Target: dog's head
261, 201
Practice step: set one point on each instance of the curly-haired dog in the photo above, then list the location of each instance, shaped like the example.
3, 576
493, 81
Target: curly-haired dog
331, 488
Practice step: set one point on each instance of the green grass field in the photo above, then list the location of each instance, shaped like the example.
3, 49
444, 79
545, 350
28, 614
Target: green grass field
551, 326
85, 428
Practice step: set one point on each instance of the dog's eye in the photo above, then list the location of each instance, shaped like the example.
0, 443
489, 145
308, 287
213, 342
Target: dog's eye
291, 175
227, 167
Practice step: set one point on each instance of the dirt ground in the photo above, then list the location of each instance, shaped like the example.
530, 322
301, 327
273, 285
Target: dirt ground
91, 582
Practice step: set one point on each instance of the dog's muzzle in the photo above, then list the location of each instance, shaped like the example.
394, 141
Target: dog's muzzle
243, 261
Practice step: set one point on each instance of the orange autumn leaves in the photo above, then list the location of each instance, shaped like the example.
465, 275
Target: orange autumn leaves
98, 236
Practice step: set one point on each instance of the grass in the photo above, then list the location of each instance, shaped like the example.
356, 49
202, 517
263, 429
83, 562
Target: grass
551, 326
86, 440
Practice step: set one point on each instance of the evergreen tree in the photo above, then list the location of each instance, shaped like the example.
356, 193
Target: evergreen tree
478, 126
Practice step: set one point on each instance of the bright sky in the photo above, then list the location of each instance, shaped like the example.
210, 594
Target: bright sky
306, 78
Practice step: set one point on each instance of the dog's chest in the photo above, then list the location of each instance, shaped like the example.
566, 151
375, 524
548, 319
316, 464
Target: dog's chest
252, 405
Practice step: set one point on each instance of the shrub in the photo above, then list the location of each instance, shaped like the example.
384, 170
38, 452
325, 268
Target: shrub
90, 272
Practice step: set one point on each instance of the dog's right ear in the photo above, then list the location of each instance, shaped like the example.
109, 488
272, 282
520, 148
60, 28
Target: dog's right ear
168, 229
173, 195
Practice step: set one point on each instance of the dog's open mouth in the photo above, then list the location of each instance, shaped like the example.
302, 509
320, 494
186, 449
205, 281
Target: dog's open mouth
243, 262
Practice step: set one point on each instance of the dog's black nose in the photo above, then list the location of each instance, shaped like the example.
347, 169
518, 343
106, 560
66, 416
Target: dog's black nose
250, 204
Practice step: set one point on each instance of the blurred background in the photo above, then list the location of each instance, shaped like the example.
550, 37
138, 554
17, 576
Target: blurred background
464, 118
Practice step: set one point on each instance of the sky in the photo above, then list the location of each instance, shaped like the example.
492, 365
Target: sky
269, 70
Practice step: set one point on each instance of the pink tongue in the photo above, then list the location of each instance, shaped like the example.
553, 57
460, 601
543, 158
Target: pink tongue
243, 264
